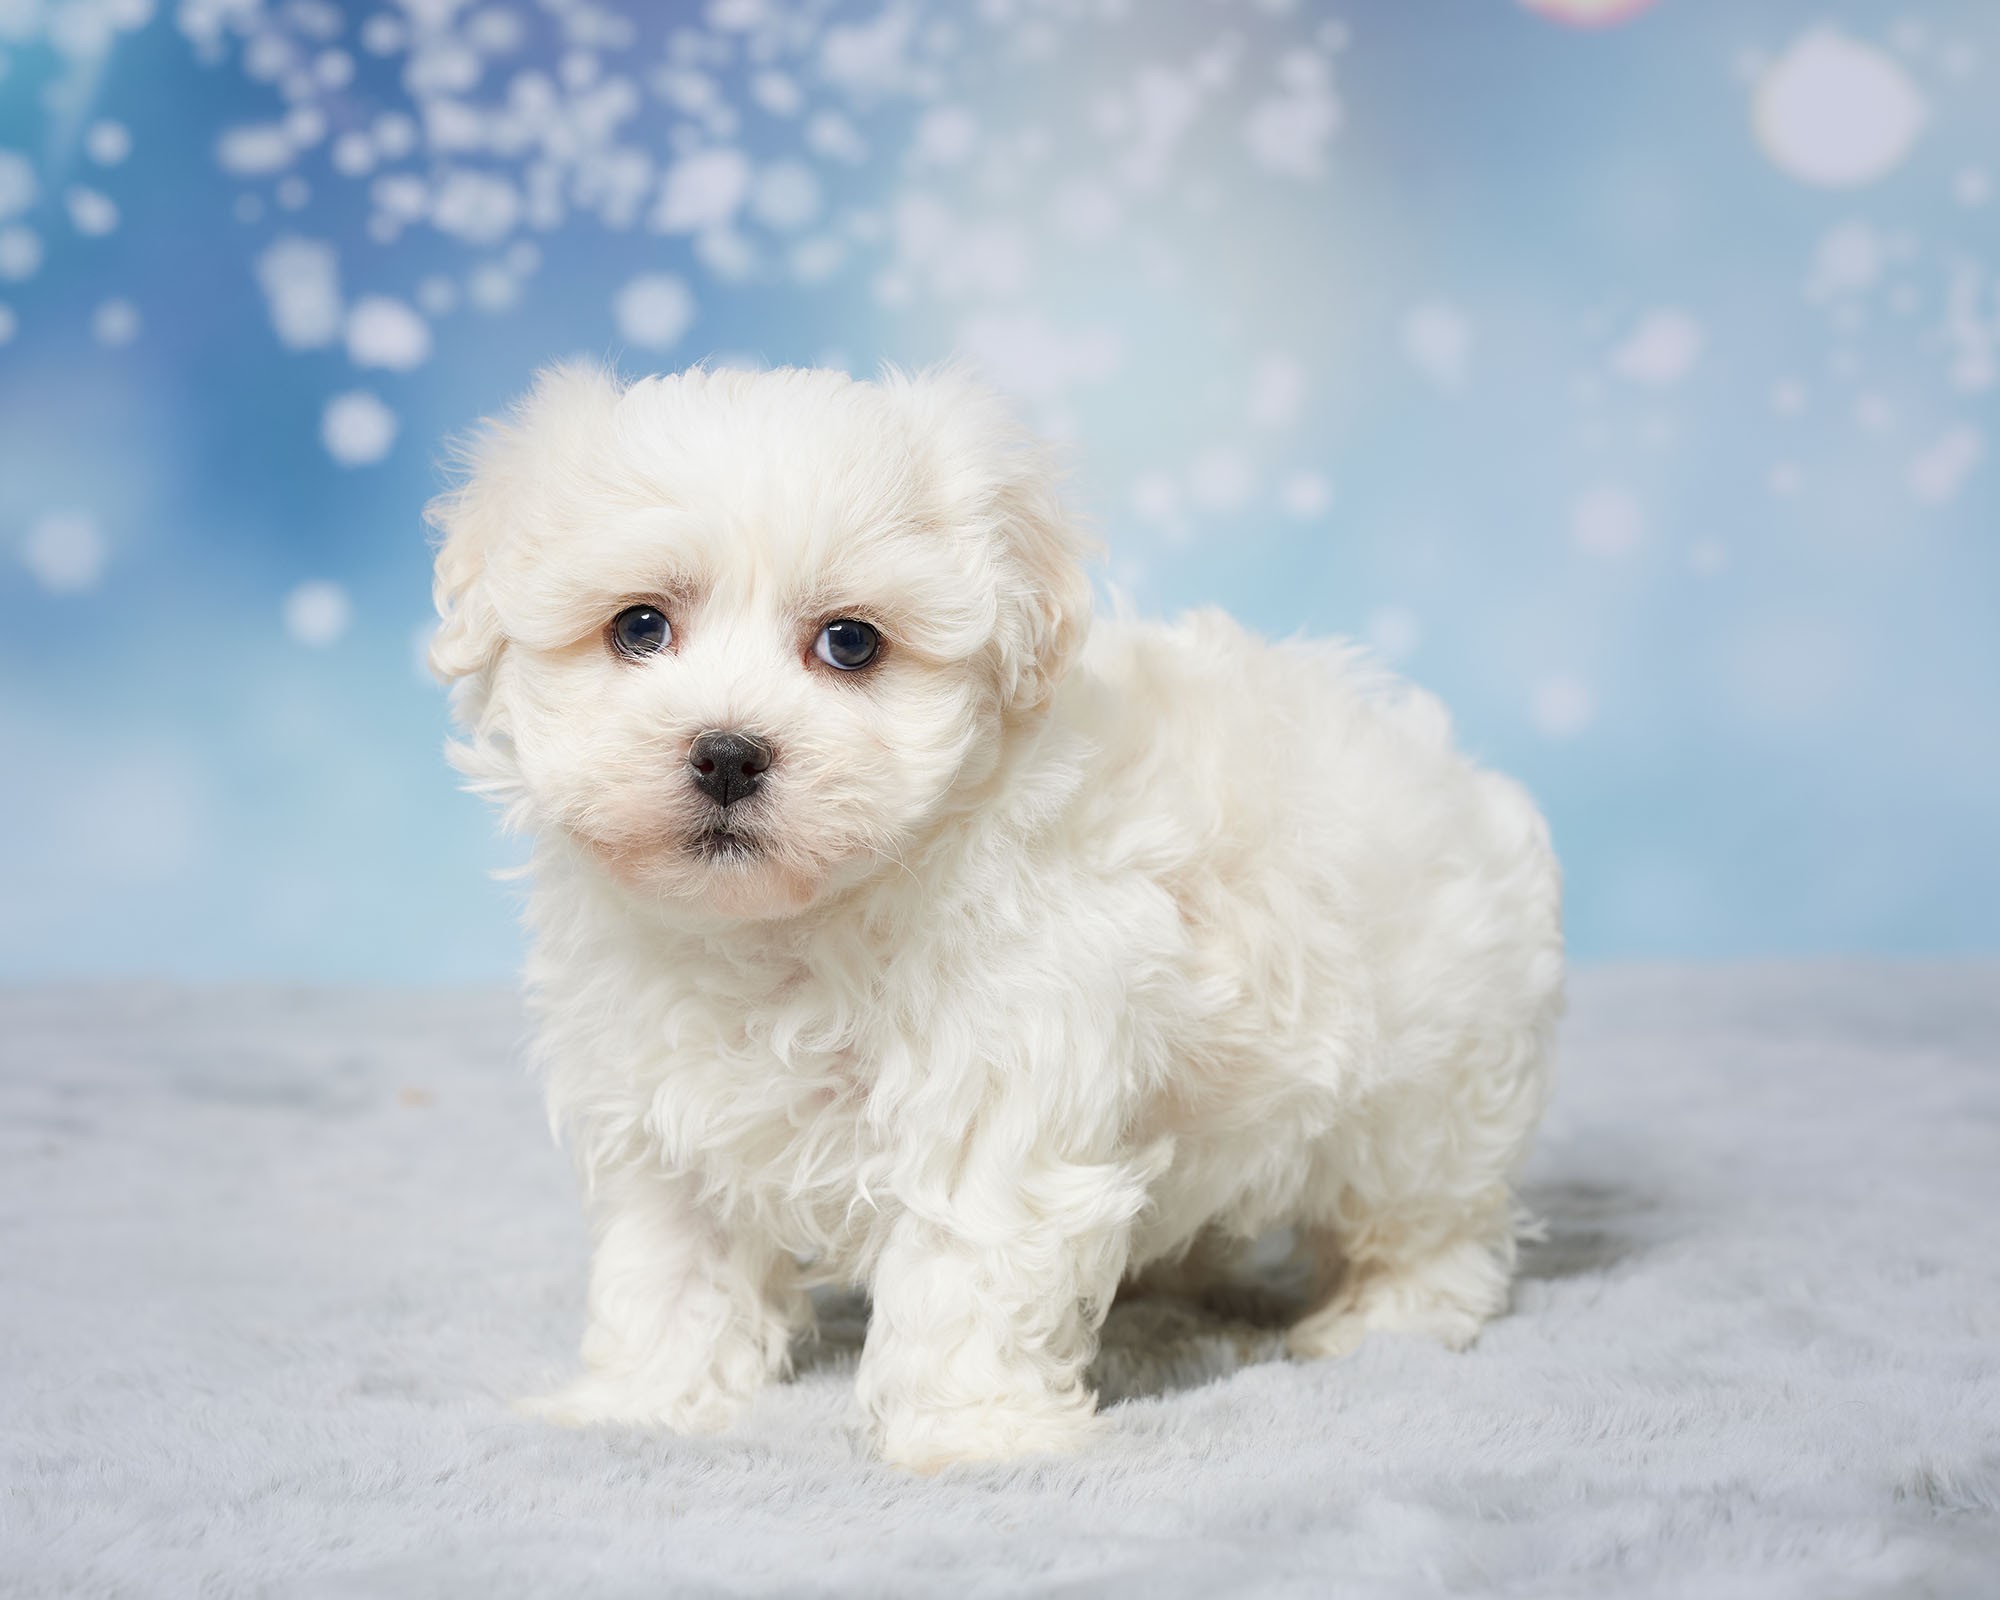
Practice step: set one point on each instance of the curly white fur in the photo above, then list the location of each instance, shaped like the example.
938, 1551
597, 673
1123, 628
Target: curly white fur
1050, 953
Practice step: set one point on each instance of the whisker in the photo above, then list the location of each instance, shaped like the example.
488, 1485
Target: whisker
889, 855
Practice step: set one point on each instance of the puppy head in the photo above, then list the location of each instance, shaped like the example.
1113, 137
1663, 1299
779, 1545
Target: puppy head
746, 637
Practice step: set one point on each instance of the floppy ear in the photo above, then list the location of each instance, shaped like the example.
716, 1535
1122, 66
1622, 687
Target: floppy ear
497, 469
996, 474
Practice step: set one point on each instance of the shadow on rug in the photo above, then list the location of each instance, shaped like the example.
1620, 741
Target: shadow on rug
1156, 1343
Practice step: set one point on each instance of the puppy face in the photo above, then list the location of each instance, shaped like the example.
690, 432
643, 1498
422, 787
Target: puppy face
746, 637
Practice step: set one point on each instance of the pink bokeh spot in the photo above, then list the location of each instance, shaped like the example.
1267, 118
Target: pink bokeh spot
1588, 13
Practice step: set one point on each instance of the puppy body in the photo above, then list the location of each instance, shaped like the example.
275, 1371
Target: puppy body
1109, 951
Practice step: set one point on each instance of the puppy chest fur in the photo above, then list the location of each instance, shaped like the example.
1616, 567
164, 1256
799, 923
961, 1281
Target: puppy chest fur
894, 927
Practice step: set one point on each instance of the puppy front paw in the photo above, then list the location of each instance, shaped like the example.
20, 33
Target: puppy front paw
634, 1400
1006, 1429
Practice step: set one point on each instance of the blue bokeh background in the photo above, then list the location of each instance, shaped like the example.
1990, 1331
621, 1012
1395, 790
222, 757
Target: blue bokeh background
1630, 384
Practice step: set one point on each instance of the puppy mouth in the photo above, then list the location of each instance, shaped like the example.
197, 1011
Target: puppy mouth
719, 842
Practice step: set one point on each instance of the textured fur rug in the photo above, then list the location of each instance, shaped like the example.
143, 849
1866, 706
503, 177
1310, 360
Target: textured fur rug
270, 1262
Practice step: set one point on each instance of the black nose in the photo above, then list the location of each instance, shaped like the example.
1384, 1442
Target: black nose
728, 766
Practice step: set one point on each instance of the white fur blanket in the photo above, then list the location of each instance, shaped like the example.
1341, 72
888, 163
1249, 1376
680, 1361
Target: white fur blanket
270, 1261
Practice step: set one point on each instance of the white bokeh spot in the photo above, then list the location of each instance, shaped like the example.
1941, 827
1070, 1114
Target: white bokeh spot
1587, 13
388, 333
653, 311
1849, 260
1394, 633
317, 613
91, 212
1306, 494
1277, 392
357, 428
1607, 522
1837, 113
65, 552
1661, 349
255, 151
301, 283
20, 253
19, 187
1288, 132
115, 324
107, 143
1437, 338
1939, 472
1027, 355
785, 196
1561, 706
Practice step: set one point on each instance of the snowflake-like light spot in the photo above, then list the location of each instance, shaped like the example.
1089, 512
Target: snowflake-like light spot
1661, 350
301, 283
65, 552
1288, 132
107, 143
492, 288
785, 196
1028, 356
476, 207
1607, 521
19, 187
946, 136
357, 428
384, 332
1306, 494
1939, 472
1086, 211
115, 324
20, 253
817, 259
1437, 338
1394, 632
1848, 261
832, 136
317, 613
255, 151
653, 311
1837, 113
1561, 707
1277, 391
702, 190
1587, 13
778, 93
91, 212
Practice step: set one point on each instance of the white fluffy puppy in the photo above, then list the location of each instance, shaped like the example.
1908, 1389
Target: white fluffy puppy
895, 927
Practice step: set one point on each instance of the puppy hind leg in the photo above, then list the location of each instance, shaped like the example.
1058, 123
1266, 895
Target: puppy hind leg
1443, 1283
1416, 1202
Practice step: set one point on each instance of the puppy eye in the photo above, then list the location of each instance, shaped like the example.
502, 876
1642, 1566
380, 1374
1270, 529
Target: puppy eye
847, 644
641, 631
